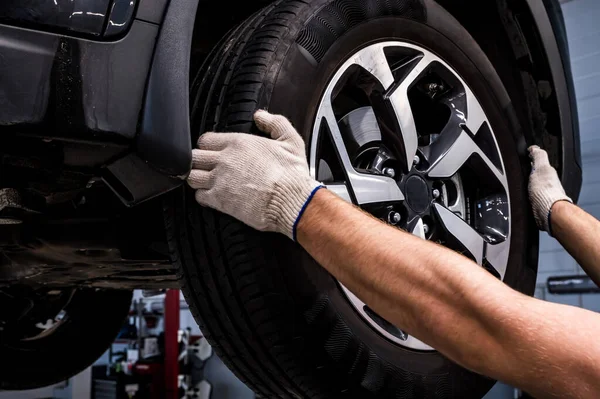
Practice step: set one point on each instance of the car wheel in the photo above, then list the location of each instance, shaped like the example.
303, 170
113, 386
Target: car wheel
49, 336
404, 116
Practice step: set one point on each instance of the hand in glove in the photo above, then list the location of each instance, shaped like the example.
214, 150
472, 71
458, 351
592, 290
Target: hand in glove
265, 183
545, 188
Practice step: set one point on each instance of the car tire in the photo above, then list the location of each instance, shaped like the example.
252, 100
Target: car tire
277, 319
93, 320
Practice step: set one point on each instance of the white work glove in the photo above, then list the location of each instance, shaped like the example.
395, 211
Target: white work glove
545, 188
265, 183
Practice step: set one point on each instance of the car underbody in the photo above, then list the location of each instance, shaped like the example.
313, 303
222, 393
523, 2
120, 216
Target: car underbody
84, 242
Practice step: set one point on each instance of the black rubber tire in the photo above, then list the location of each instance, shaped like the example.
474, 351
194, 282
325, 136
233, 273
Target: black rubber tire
277, 319
94, 320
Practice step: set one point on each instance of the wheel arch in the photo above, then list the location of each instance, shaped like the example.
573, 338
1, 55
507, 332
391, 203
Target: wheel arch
537, 77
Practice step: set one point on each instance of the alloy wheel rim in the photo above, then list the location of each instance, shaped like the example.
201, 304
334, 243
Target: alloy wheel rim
32, 316
399, 133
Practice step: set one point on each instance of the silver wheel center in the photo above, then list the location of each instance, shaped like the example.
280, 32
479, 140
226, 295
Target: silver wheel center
400, 134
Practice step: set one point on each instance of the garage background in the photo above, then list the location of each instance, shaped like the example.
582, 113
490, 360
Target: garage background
583, 30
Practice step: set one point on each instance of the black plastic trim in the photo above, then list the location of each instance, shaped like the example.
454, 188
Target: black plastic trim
151, 10
559, 62
164, 139
134, 181
558, 23
163, 152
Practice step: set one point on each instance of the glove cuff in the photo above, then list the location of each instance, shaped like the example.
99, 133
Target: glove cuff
544, 203
289, 202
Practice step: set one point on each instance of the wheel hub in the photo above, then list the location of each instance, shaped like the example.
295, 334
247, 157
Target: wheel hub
416, 150
417, 193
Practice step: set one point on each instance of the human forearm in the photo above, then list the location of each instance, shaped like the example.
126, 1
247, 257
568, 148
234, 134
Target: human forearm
434, 294
449, 302
552, 350
578, 232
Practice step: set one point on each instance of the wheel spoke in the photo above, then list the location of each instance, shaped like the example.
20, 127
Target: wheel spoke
497, 256
449, 162
419, 229
475, 114
409, 340
461, 231
408, 140
341, 191
373, 60
367, 188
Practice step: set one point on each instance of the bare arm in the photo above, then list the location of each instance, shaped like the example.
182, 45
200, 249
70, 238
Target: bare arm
579, 233
454, 305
